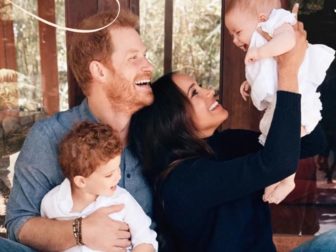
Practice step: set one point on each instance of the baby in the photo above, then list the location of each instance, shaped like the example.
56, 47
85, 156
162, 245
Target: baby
90, 156
263, 30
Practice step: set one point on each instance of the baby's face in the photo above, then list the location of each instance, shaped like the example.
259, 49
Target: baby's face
241, 25
105, 178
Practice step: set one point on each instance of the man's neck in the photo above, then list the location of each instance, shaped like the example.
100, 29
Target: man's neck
114, 116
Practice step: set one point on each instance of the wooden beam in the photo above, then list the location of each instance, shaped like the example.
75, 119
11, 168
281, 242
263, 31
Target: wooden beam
168, 38
48, 53
105, 5
285, 4
222, 53
2, 45
7, 44
75, 11
8, 61
132, 5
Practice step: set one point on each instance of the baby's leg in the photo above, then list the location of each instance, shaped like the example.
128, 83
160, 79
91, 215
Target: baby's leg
269, 190
280, 190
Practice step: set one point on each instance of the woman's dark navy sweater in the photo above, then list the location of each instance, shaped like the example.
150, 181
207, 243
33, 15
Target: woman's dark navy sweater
215, 203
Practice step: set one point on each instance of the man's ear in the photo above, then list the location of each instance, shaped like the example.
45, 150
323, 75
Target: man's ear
262, 17
79, 181
96, 70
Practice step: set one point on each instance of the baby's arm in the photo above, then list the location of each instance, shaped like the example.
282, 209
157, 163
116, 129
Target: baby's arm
282, 41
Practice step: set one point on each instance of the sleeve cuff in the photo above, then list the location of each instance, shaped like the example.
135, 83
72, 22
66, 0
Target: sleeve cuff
288, 100
13, 232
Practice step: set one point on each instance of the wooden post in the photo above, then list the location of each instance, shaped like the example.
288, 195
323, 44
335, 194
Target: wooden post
7, 42
133, 5
168, 38
48, 51
222, 53
105, 5
7, 61
285, 4
76, 11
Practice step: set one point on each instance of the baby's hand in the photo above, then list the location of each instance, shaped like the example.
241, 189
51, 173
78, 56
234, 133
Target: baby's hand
252, 55
245, 90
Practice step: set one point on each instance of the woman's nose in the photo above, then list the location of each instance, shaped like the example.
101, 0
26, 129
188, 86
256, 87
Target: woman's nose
211, 92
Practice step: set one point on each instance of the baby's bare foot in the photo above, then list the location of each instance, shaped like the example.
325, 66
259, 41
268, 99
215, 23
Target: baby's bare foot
269, 190
281, 192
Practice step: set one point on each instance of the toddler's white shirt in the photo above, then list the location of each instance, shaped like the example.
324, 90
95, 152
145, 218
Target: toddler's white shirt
57, 204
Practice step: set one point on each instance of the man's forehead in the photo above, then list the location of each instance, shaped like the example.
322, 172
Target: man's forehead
126, 39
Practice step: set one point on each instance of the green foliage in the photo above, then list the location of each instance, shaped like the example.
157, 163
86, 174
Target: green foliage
152, 32
196, 37
27, 50
196, 45
61, 55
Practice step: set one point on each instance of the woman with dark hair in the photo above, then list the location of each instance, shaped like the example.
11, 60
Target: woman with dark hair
209, 185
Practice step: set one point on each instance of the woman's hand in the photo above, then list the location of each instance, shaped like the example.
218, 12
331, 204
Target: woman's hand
290, 62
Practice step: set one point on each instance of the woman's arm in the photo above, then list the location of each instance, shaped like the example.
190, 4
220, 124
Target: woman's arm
236, 143
216, 181
290, 62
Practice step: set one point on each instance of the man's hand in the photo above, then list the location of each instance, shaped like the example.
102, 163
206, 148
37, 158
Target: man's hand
245, 90
100, 232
